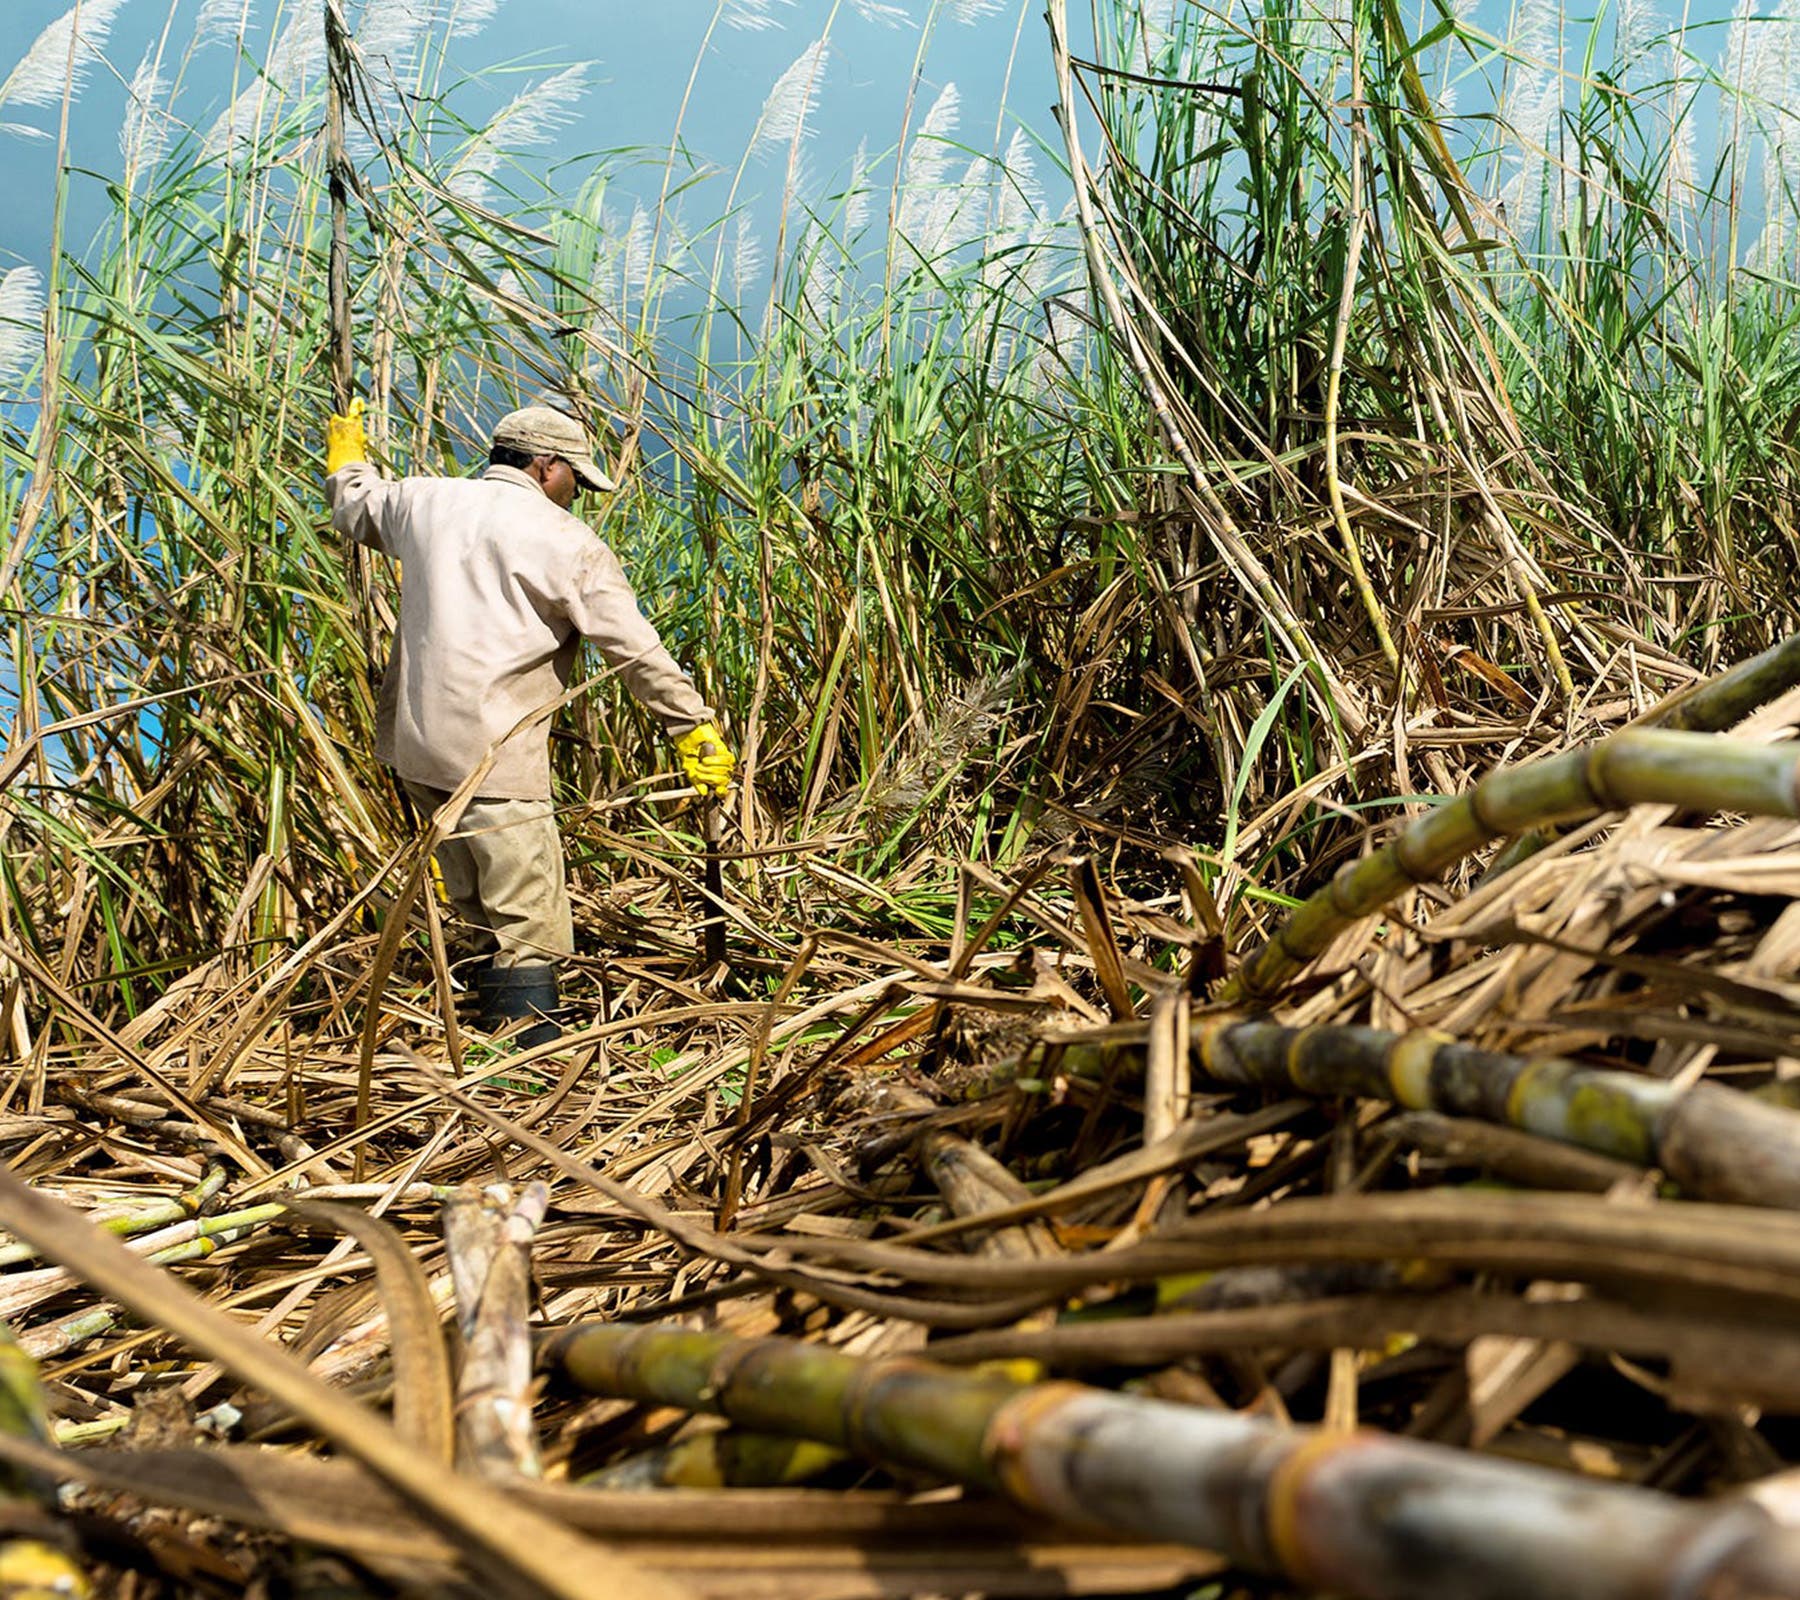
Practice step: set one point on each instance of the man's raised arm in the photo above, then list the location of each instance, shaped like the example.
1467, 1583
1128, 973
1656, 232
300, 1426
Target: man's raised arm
354, 490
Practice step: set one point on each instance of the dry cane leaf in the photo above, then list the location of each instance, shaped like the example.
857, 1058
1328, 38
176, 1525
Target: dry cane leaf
424, 1403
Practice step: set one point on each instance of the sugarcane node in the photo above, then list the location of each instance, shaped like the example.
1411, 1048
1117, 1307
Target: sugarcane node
1340, 888
1596, 772
1006, 1448
1294, 1043
1284, 1510
736, 1381
1404, 849
1410, 1062
1478, 798
1206, 1035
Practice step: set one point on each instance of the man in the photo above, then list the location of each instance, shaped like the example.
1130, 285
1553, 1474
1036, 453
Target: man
499, 585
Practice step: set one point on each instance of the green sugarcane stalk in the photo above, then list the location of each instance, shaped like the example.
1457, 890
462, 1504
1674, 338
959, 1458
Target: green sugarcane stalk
1361, 1514
226, 1226
1697, 771
1723, 701
30, 1566
174, 1209
215, 1237
1711, 707
191, 1240
52, 1339
1715, 1143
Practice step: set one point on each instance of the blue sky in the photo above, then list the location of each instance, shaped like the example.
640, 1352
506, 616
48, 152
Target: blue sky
641, 56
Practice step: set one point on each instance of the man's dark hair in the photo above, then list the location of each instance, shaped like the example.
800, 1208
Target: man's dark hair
506, 455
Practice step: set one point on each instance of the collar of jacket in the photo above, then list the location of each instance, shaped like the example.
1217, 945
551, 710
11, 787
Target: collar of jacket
512, 475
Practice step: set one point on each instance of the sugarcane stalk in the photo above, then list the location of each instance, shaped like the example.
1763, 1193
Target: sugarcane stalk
1715, 1143
1697, 771
1720, 702
1746, 1363
183, 1241
970, 1180
1526, 1159
212, 1236
130, 1224
1725, 700
36, 1563
488, 1241
1361, 1514
338, 86
973, 1182
72, 1435
53, 1339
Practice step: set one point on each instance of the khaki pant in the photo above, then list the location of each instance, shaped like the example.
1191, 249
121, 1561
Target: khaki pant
503, 871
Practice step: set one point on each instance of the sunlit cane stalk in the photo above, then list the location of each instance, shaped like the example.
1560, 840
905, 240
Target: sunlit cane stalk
1716, 1143
1361, 1514
188, 1203
1719, 703
1696, 771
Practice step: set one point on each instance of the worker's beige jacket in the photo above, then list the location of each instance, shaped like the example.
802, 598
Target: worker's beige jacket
498, 587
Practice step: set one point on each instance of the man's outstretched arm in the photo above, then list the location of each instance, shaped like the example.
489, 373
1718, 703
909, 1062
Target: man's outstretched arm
605, 609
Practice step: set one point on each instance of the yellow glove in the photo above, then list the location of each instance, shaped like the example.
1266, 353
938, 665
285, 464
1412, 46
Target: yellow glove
345, 440
706, 760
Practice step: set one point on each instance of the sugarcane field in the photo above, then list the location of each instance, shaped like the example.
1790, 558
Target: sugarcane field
900, 800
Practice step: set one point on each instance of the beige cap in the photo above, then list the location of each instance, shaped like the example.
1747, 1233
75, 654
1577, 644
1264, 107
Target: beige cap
545, 431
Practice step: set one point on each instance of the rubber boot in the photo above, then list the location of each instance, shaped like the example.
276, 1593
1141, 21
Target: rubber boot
509, 993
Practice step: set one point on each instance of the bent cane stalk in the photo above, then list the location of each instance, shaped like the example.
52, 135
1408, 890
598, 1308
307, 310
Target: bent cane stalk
1710, 707
1714, 1142
1728, 698
1360, 1514
1698, 771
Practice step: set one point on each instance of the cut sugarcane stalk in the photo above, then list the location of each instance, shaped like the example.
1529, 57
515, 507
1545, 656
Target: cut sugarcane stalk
1360, 1514
1697, 771
1715, 1143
